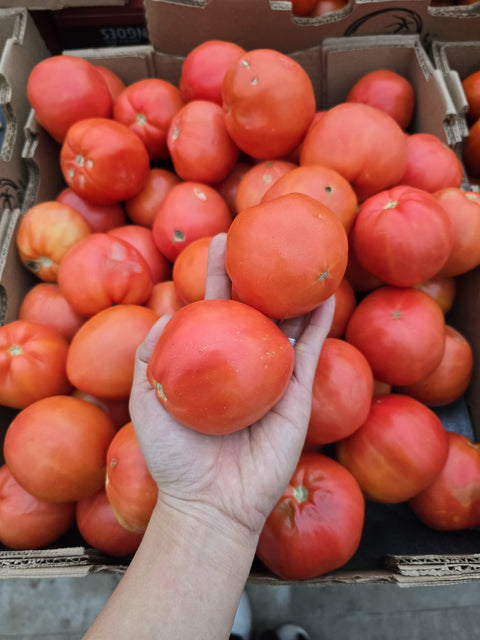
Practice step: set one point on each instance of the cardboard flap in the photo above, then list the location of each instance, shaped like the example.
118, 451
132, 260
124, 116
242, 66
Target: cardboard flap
451, 566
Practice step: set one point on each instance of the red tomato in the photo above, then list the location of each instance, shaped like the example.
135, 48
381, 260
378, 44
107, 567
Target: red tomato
142, 208
44, 303
471, 151
317, 524
327, 6
99, 217
32, 363
147, 108
366, 161
116, 409
142, 239
345, 303
452, 501
200, 148
442, 290
402, 236
45, 233
164, 298
258, 180
388, 91
471, 88
401, 332
114, 333
431, 164
190, 210
64, 89
398, 451
101, 271
100, 529
286, 256
261, 91
204, 68
190, 270
55, 448
361, 280
303, 7
115, 84
450, 378
228, 188
342, 392
130, 488
236, 353
27, 522
103, 161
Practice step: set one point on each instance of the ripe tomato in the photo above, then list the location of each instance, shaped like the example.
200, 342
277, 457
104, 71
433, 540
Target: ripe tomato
442, 290
200, 147
190, 270
286, 256
228, 188
130, 488
342, 392
398, 451
258, 180
64, 89
116, 409
44, 303
55, 448
114, 333
402, 236
388, 91
261, 91
303, 7
27, 522
164, 298
317, 524
98, 526
471, 88
322, 183
401, 332
101, 271
450, 378
45, 233
32, 363
366, 161
345, 303
103, 161
236, 353
327, 6
147, 107
204, 68
471, 151
189, 211
99, 217
142, 208
361, 280
115, 84
451, 502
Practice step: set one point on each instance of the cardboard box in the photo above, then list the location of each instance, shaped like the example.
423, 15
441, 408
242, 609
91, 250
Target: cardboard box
22, 48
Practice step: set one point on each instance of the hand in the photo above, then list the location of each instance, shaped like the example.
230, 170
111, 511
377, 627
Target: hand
234, 479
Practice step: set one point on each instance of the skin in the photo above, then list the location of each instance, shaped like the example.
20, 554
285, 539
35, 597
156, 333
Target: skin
215, 493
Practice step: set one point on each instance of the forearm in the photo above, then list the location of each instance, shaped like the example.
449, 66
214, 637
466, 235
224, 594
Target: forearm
185, 581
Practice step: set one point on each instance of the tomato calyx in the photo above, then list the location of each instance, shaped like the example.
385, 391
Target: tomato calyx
141, 119
323, 276
178, 236
36, 265
15, 350
300, 493
391, 204
160, 391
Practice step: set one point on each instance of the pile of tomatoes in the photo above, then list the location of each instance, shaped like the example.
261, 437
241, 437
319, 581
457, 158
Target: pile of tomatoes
344, 202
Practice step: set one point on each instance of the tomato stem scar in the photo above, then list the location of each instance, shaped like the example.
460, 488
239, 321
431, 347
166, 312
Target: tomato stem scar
323, 275
300, 493
391, 204
80, 160
160, 391
15, 350
141, 119
178, 236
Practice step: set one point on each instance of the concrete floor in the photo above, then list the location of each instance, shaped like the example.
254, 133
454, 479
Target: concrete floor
63, 608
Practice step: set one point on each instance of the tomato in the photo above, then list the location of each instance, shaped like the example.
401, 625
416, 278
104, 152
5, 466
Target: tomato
142, 208
442, 289
471, 151
286, 256
327, 6
103, 270
164, 298
200, 147
190, 270
450, 378
303, 7
64, 89
228, 188
261, 91
147, 107
55, 448
115, 84
345, 303
322, 183
142, 239
258, 180
317, 524
463, 210
471, 89
211, 356
361, 280
44, 303
103, 161
401, 332
99, 217
387, 90
98, 526
32, 363
116, 409
204, 68
431, 164
402, 236
109, 339
342, 392
130, 488
27, 522
452, 501
398, 451
45, 233
190, 210
366, 161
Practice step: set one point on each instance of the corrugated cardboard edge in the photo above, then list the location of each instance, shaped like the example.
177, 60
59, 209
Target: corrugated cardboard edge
53, 5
